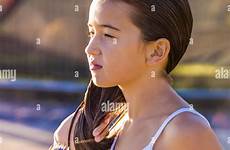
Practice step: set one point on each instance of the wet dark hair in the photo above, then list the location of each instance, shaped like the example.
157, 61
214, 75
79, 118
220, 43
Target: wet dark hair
172, 19
91, 115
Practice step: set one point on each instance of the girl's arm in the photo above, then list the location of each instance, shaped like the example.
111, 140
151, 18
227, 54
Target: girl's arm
61, 133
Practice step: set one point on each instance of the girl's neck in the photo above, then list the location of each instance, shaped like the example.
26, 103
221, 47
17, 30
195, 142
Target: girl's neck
152, 97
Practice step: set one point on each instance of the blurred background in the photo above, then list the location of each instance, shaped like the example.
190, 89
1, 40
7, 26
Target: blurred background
44, 41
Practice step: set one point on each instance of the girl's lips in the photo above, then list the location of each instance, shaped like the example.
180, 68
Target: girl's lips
95, 67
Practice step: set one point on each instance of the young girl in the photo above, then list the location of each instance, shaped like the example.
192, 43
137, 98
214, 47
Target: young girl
134, 45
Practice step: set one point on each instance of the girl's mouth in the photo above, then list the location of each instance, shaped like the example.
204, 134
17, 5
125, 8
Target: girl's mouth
95, 66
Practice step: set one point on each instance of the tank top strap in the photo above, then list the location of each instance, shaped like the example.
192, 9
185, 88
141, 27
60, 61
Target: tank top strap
164, 124
169, 118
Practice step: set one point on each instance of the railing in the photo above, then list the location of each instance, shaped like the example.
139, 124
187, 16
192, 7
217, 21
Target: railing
71, 87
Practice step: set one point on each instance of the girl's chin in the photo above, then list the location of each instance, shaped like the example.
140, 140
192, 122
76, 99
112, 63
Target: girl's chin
102, 83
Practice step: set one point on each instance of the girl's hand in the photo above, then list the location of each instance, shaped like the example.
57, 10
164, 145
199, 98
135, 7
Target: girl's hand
101, 131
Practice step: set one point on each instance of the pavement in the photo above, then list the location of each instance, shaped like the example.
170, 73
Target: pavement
15, 136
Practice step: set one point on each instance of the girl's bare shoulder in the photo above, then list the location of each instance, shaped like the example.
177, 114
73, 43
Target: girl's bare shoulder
62, 132
188, 131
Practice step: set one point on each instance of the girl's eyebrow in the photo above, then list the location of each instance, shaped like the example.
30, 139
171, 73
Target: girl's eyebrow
106, 26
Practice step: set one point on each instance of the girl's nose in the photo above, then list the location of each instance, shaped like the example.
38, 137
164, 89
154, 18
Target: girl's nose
92, 48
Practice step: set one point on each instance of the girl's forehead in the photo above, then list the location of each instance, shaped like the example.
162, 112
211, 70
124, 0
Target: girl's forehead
108, 12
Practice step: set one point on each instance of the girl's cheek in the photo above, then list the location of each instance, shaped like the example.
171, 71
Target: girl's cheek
111, 43
109, 48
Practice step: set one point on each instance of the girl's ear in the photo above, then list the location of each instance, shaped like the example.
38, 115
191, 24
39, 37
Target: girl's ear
157, 51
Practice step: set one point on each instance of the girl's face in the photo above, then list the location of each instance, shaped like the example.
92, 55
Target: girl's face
115, 44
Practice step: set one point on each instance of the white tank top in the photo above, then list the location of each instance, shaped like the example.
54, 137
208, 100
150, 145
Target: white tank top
163, 125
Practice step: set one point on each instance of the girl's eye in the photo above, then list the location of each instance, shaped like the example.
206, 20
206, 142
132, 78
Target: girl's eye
109, 36
91, 34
